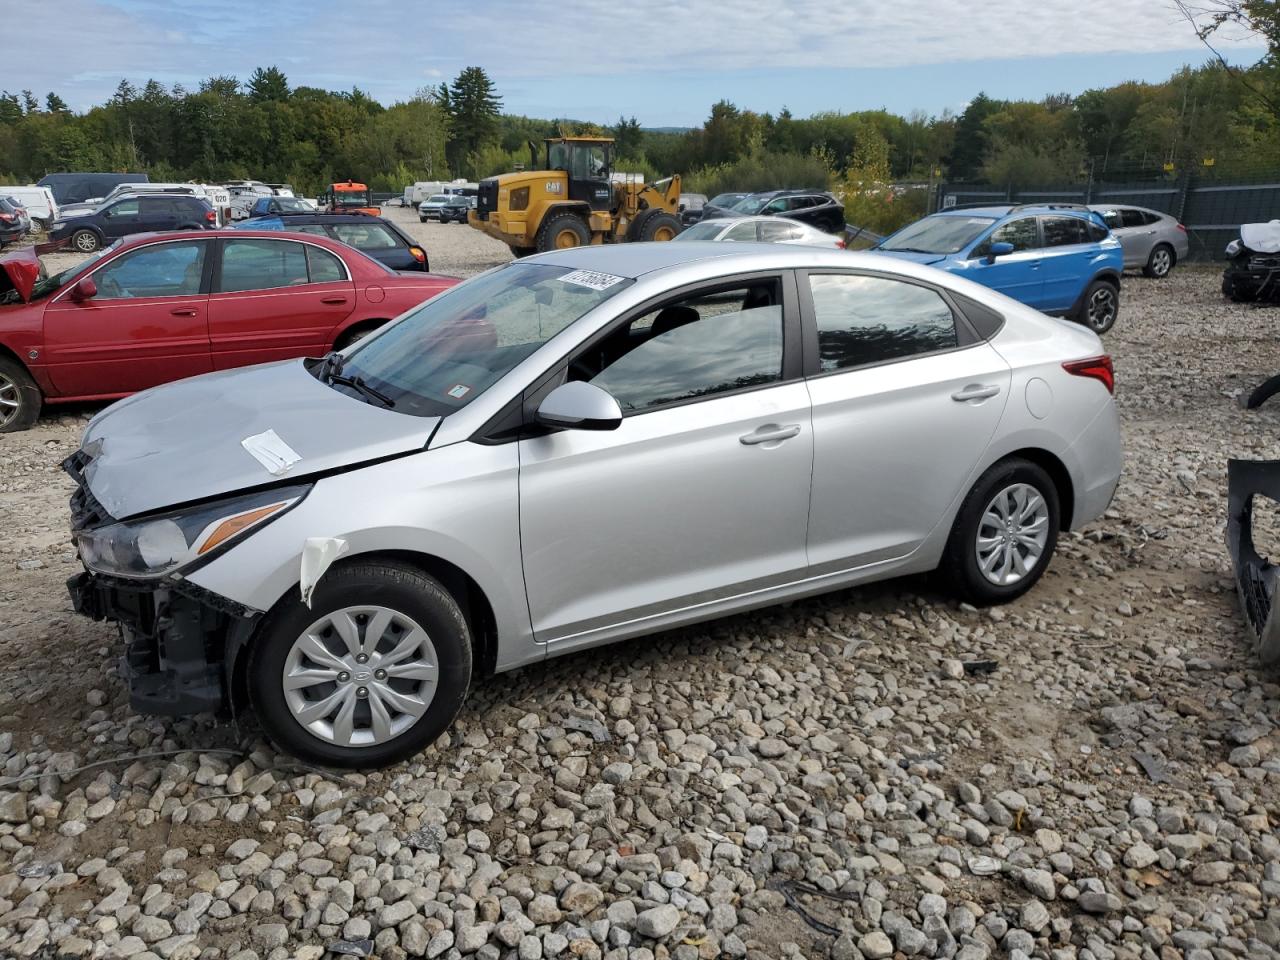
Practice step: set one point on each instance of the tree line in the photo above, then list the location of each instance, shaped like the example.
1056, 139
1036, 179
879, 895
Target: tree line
1211, 117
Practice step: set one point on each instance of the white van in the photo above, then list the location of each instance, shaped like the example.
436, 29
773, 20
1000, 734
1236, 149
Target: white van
38, 201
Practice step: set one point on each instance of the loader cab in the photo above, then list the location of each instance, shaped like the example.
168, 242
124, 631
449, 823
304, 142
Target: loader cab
588, 162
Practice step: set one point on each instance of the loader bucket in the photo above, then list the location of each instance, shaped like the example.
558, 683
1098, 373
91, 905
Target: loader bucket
1256, 575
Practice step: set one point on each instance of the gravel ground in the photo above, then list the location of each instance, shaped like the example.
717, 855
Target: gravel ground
1089, 773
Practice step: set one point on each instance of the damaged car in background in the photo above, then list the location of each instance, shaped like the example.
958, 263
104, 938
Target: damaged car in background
573, 449
158, 307
1252, 273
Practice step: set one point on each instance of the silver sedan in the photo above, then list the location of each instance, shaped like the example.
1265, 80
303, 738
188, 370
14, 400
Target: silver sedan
573, 449
763, 229
1153, 242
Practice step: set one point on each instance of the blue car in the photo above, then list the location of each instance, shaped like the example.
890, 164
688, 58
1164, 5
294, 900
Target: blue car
1059, 258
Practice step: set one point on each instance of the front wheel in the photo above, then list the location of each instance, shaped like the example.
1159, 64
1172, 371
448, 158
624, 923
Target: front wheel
562, 232
1100, 307
85, 241
371, 674
19, 397
1004, 534
1160, 262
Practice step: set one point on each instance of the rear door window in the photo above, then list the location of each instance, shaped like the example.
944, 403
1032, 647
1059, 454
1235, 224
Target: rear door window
866, 320
365, 236
323, 266
1064, 231
742, 232
1134, 218
262, 265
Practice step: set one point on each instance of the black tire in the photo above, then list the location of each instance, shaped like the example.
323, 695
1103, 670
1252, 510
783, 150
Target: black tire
356, 334
558, 228
960, 559
85, 241
519, 252
1232, 292
16, 386
654, 226
1161, 261
397, 587
1094, 312
422, 219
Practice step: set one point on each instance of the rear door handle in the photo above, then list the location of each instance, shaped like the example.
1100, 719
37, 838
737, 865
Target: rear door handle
183, 312
333, 299
771, 433
975, 391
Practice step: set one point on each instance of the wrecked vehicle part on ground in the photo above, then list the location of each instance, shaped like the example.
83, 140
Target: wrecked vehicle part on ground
1252, 273
1256, 575
485, 502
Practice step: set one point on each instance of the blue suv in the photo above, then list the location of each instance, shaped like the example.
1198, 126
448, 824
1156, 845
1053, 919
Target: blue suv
1059, 258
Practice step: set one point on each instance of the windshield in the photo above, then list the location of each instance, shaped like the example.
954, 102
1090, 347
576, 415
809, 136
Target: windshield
290, 205
439, 358
944, 234
725, 199
749, 205
703, 231
438, 198
351, 198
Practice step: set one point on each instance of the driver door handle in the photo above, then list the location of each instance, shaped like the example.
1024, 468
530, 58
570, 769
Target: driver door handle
183, 312
770, 433
333, 299
975, 391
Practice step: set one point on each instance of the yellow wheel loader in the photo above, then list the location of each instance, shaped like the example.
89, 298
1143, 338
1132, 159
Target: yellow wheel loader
574, 201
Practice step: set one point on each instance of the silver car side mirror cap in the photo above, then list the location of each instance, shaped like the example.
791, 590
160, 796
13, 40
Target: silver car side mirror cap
579, 405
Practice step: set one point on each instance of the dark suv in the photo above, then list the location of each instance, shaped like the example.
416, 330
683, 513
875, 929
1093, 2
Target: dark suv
814, 207
373, 236
134, 214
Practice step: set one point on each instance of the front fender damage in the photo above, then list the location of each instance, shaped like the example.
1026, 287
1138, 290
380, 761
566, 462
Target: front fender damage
1256, 575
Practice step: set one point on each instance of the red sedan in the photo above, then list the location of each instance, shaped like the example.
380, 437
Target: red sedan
159, 307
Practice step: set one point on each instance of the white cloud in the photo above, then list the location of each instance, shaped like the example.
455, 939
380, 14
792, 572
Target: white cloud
390, 42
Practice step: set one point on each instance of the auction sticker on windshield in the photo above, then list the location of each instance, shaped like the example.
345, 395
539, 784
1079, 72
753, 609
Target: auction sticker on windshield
591, 279
458, 391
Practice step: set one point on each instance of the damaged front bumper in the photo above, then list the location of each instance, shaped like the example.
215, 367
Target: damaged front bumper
180, 639
1255, 575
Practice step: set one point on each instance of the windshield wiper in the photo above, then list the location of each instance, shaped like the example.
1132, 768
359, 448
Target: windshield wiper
358, 384
906, 250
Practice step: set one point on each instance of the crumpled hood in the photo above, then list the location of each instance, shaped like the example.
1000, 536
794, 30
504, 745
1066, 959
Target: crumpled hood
182, 441
1261, 237
925, 258
19, 271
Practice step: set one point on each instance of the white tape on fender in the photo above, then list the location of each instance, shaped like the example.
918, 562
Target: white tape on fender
317, 554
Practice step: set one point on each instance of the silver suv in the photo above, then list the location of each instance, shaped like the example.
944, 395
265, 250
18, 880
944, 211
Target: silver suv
572, 449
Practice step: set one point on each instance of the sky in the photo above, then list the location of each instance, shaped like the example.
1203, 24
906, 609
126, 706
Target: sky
663, 61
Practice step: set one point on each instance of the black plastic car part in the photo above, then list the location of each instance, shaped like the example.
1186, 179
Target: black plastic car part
1255, 574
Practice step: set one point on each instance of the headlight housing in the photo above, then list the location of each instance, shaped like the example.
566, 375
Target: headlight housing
519, 199
162, 543
1233, 248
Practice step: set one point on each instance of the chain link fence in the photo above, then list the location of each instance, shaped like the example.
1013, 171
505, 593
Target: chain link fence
1211, 208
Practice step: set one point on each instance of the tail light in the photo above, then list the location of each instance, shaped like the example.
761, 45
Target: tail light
842, 245
1095, 368
8, 217
1181, 227
419, 254
211, 216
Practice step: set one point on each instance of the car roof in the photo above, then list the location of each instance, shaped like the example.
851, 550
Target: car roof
634, 260
1003, 210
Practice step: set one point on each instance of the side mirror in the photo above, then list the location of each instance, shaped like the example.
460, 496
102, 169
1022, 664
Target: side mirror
1000, 249
579, 405
85, 289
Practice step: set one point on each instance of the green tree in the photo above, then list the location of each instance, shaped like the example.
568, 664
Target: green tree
268, 84
473, 107
10, 108
55, 104
971, 137
628, 137
29, 102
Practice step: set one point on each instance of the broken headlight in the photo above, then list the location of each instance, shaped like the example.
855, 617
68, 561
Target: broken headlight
162, 543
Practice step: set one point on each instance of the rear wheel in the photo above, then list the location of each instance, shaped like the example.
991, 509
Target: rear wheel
519, 252
354, 335
85, 241
1100, 306
1004, 534
562, 232
19, 397
1160, 262
654, 225
371, 674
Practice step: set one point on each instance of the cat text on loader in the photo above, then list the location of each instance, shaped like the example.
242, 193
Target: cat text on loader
574, 201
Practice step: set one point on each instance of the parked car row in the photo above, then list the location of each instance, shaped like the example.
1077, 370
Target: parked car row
817, 208
446, 207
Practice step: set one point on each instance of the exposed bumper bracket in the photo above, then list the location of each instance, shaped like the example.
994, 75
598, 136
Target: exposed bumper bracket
1256, 576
